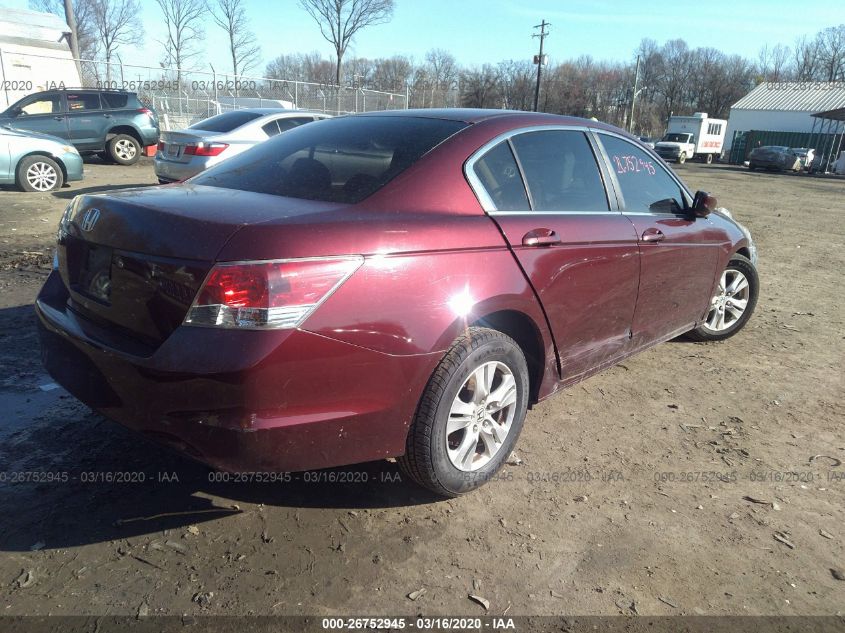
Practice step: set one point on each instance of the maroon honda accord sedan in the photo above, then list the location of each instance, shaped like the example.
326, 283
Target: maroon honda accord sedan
397, 284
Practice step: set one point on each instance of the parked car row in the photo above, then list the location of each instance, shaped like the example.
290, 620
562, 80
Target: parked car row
111, 123
781, 158
47, 133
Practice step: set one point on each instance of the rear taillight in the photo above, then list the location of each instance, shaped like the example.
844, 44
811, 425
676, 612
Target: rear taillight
145, 111
272, 294
205, 149
160, 146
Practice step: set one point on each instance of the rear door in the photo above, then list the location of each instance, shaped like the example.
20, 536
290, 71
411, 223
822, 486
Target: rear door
546, 191
679, 252
43, 113
86, 120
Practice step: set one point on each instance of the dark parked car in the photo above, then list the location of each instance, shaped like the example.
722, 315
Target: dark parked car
112, 123
774, 157
388, 284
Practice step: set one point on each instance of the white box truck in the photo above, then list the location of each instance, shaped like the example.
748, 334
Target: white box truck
692, 137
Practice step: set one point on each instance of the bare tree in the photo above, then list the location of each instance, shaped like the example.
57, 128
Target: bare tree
391, 74
806, 56
116, 24
184, 31
243, 47
479, 88
340, 20
773, 62
831, 46
85, 32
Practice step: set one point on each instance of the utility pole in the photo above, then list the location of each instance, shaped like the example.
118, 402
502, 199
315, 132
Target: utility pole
539, 60
634, 96
70, 18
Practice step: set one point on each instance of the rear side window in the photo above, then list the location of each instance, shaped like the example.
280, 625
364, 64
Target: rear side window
646, 185
283, 125
114, 100
83, 101
499, 174
340, 160
561, 171
226, 122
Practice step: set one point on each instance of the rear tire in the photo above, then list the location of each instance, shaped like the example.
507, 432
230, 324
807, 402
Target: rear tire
470, 414
751, 166
708, 159
733, 304
124, 149
39, 173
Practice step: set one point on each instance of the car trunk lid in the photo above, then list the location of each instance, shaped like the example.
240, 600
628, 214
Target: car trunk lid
172, 144
134, 260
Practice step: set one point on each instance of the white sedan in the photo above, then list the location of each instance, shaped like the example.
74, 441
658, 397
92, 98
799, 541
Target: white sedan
186, 153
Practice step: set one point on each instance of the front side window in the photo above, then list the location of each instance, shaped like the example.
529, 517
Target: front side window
499, 175
83, 101
338, 160
646, 185
45, 104
561, 171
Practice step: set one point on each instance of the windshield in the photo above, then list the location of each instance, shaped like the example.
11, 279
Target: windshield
677, 138
337, 160
225, 122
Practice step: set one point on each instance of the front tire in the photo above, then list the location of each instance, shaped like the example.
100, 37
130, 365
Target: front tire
39, 173
733, 304
682, 158
124, 149
470, 414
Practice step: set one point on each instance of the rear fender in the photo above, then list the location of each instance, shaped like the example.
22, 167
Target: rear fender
418, 303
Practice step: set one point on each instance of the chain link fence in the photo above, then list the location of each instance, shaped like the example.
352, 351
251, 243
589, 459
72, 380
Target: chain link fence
184, 97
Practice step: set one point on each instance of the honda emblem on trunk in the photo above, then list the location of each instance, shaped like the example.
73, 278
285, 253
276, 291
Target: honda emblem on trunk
90, 219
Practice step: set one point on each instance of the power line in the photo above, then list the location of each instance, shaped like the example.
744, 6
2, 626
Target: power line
539, 59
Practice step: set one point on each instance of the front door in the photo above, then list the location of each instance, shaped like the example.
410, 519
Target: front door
679, 252
548, 197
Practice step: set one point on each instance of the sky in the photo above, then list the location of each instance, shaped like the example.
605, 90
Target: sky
489, 31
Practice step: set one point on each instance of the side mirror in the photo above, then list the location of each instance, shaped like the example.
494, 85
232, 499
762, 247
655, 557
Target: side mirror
15, 112
703, 204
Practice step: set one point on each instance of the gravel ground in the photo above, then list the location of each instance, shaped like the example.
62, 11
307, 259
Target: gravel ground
693, 479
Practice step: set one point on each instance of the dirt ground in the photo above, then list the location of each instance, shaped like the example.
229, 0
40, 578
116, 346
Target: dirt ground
693, 479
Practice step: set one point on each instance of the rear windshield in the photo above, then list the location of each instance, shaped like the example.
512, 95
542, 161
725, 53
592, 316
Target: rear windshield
225, 122
676, 138
338, 160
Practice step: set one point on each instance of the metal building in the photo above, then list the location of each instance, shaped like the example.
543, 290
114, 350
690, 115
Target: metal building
34, 54
783, 107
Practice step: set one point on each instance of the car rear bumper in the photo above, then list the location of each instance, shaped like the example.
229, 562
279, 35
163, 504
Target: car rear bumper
173, 171
283, 400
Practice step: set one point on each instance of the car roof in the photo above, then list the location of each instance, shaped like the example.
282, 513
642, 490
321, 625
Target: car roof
477, 115
264, 111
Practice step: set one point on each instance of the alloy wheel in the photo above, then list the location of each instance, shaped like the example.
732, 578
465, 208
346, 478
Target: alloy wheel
41, 176
730, 301
481, 416
124, 149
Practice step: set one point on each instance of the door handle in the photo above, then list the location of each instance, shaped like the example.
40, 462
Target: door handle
59, 118
540, 237
108, 116
653, 235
